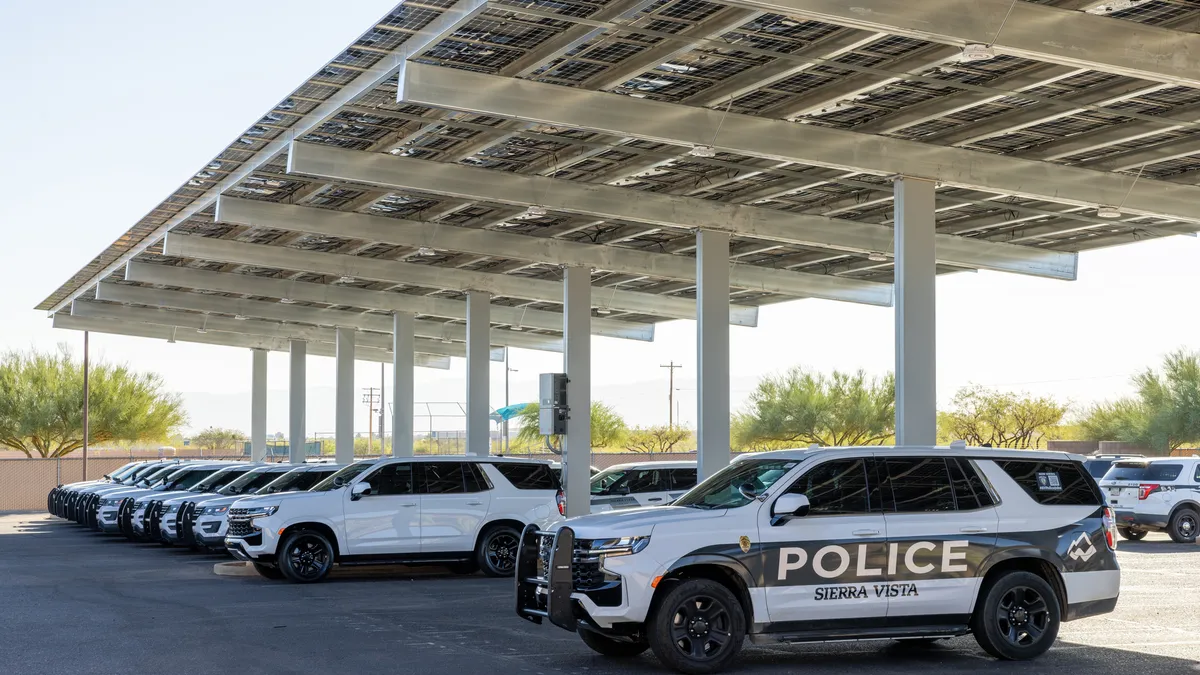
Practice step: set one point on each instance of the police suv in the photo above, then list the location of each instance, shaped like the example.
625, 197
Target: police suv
834, 544
1155, 495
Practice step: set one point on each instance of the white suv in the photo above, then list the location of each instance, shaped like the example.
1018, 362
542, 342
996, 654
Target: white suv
834, 544
204, 524
467, 512
628, 486
1155, 495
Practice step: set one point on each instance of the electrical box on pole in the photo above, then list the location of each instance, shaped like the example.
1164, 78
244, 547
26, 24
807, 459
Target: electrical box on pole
552, 404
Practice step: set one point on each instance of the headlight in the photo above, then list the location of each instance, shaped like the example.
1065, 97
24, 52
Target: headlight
215, 510
262, 511
620, 546
173, 508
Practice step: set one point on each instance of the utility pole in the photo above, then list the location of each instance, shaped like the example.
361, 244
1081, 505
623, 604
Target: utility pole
369, 399
671, 393
86, 410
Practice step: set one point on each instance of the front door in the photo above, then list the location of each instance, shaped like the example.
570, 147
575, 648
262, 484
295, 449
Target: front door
826, 571
941, 525
454, 502
385, 522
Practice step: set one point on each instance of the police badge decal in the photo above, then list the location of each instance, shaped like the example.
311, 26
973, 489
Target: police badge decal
744, 542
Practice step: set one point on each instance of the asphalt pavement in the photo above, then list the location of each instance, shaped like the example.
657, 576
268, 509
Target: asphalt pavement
74, 602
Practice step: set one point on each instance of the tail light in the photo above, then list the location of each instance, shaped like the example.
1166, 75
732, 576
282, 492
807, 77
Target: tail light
1147, 489
561, 500
1110, 527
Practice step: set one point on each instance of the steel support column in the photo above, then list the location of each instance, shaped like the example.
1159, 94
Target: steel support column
258, 404
297, 429
577, 360
712, 352
343, 430
402, 384
916, 353
479, 367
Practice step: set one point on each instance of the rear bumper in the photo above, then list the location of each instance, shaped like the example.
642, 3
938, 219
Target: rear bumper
1146, 521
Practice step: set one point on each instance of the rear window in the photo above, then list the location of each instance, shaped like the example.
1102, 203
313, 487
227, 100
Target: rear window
1053, 483
529, 476
1126, 471
1098, 467
1159, 471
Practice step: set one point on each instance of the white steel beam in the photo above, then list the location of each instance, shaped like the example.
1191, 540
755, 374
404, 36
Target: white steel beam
191, 321
196, 302
916, 353
712, 352
427, 276
329, 294
450, 20
403, 399
411, 233
1031, 31
679, 211
479, 410
297, 395
258, 404
662, 122
343, 399
577, 363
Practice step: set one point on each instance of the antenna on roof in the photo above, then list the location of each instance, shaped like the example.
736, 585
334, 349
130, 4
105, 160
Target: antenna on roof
814, 446
958, 445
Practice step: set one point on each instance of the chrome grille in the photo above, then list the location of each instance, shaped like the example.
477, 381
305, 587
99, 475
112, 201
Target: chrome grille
240, 524
585, 569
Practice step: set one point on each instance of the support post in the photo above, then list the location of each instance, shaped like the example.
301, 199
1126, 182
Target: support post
402, 384
577, 359
479, 365
86, 403
712, 352
916, 353
343, 431
258, 404
297, 429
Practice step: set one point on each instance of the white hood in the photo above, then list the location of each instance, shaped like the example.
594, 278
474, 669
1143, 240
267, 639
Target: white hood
634, 522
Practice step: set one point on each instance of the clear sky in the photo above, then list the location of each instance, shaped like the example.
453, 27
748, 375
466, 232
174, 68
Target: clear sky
110, 106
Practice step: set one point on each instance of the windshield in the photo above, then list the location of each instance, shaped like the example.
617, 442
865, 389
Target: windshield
1126, 471
604, 480
298, 480
342, 478
723, 490
123, 471
220, 479
188, 478
153, 477
250, 482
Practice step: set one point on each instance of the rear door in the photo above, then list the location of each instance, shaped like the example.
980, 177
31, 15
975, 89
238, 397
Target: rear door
682, 480
941, 525
387, 521
1120, 485
650, 487
454, 504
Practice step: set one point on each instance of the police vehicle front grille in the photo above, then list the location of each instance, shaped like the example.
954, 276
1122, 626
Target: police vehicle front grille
585, 569
240, 524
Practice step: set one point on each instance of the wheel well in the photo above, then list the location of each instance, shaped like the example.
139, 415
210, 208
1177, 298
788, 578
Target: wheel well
1036, 566
514, 524
718, 573
1181, 506
316, 527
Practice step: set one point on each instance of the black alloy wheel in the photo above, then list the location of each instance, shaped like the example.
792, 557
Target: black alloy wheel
1018, 616
698, 628
497, 551
306, 556
1184, 526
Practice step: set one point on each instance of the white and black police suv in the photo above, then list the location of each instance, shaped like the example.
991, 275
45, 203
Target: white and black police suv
834, 544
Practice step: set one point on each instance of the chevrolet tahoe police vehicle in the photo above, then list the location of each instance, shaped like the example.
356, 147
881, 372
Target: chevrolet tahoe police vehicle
834, 544
628, 486
1155, 495
465, 512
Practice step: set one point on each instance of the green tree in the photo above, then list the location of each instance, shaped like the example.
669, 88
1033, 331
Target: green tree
1125, 420
802, 407
41, 404
215, 438
1164, 415
660, 438
608, 427
982, 416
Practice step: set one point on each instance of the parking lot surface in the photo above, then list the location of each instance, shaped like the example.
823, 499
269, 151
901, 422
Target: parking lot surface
76, 602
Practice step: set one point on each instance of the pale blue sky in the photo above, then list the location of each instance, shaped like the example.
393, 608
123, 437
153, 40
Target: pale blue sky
110, 106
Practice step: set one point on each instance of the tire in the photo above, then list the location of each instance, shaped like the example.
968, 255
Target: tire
1184, 525
306, 556
613, 649
1017, 616
1131, 534
496, 553
268, 571
698, 628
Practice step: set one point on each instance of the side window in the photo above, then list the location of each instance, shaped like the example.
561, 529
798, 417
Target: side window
970, 492
683, 479
392, 479
1053, 483
647, 480
528, 476
441, 478
836, 488
475, 479
1196, 478
918, 484
1161, 472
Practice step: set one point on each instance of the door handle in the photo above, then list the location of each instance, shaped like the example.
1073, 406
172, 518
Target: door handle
474, 503
407, 506
972, 530
654, 499
865, 533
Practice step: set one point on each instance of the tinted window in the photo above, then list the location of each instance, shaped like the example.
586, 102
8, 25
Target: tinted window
1197, 476
189, 479
440, 478
529, 476
970, 492
476, 480
342, 477
392, 479
1098, 467
648, 480
251, 481
836, 488
221, 478
1053, 483
919, 484
727, 488
683, 479
1126, 471
604, 480
1159, 471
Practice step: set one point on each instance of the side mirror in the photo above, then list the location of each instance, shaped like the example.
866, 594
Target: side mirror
789, 506
361, 488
